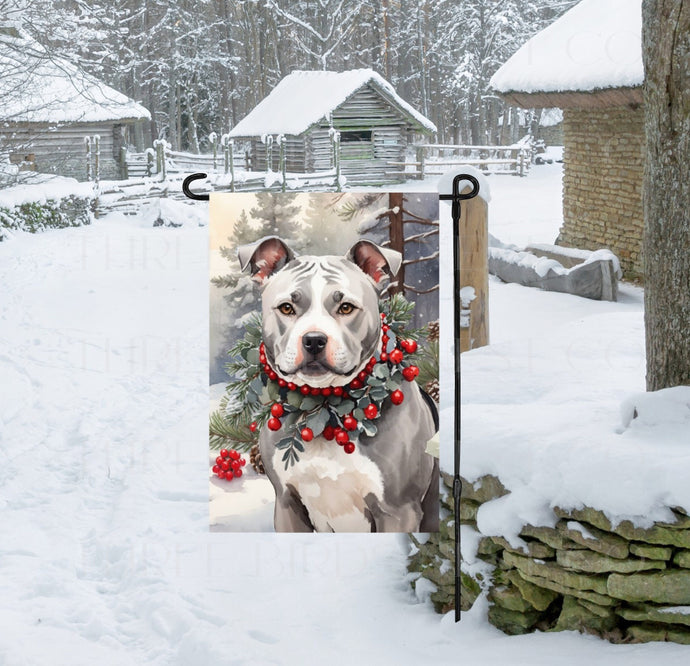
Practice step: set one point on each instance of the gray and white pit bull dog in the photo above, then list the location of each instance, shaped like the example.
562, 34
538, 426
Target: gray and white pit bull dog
321, 325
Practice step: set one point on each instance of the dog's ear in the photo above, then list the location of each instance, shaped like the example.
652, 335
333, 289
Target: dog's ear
264, 257
377, 262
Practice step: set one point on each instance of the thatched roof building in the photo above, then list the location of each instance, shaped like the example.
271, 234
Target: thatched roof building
589, 63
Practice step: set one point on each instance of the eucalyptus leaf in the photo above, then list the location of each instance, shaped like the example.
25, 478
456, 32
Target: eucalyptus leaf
381, 371
368, 428
294, 399
284, 442
345, 407
253, 357
317, 421
298, 445
379, 394
273, 391
392, 384
358, 414
309, 402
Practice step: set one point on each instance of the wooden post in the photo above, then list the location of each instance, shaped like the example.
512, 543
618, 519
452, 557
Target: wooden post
149, 163
124, 173
87, 143
396, 236
231, 156
213, 138
474, 273
269, 153
335, 144
283, 163
97, 159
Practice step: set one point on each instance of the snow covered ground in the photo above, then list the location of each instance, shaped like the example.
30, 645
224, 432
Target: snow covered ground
105, 551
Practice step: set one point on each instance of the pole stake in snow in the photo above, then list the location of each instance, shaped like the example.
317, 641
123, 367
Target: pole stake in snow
188, 193
456, 197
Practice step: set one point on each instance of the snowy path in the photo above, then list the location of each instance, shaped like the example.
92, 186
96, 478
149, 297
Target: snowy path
105, 552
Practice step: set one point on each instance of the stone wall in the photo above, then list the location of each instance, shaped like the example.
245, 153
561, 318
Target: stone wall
602, 183
623, 583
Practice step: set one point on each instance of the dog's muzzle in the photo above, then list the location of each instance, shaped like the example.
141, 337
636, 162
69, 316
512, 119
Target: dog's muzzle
314, 343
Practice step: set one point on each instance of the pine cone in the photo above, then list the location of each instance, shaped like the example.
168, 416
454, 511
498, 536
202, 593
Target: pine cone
433, 328
432, 389
255, 460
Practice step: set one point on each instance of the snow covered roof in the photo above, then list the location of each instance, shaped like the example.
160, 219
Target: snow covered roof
594, 46
303, 98
36, 86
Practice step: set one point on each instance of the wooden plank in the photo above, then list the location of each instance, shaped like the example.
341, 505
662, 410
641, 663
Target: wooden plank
474, 271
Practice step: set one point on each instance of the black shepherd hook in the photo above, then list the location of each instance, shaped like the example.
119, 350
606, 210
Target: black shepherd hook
456, 197
188, 192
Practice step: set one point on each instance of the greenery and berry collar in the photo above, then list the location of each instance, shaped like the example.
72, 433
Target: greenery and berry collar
259, 397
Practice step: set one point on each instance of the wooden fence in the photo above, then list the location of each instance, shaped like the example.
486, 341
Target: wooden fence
436, 159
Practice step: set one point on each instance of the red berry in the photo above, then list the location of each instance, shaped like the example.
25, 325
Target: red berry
384, 340
282, 383
306, 434
238, 473
371, 411
349, 447
341, 436
355, 384
384, 356
215, 469
372, 361
350, 423
272, 375
326, 391
397, 397
234, 454
262, 358
304, 390
243, 461
221, 474
396, 356
253, 426
383, 315
273, 423
329, 432
292, 386
385, 328
277, 410
262, 347
337, 390
219, 460
362, 375
228, 476
225, 465
235, 464
409, 373
315, 391
224, 453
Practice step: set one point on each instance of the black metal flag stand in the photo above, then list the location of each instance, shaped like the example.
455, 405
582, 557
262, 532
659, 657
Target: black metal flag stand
456, 197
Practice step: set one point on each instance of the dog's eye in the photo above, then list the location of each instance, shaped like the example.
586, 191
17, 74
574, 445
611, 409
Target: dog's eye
346, 309
286, 309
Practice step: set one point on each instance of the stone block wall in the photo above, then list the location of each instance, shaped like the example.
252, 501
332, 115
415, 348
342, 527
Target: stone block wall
602, 183
623, 583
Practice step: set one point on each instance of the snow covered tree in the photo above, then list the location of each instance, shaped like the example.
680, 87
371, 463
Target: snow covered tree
666, 53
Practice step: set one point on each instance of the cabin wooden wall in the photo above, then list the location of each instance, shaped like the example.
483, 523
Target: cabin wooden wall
62, 151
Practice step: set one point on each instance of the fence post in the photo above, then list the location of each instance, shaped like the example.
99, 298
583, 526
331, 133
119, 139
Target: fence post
522, 163
159, 145
335, 143
421, 158
474, 274
283, 162
97, 159
231, 155
124, 171
149, 163
269, 153
87, 143
213, 138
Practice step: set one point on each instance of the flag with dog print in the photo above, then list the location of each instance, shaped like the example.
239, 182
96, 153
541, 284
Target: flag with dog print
324, 362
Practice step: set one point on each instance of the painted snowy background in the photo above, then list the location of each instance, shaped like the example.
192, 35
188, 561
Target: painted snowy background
105, 552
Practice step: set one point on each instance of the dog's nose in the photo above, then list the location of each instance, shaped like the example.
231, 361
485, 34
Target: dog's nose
314, 343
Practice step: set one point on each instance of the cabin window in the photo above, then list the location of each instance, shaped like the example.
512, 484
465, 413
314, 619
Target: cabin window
355, 136
356, 145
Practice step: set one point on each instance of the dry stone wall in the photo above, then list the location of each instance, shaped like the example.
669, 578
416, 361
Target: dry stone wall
621, 582
602, 183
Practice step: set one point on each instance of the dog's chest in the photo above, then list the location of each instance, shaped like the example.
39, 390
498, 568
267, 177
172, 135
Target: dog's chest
332, 485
